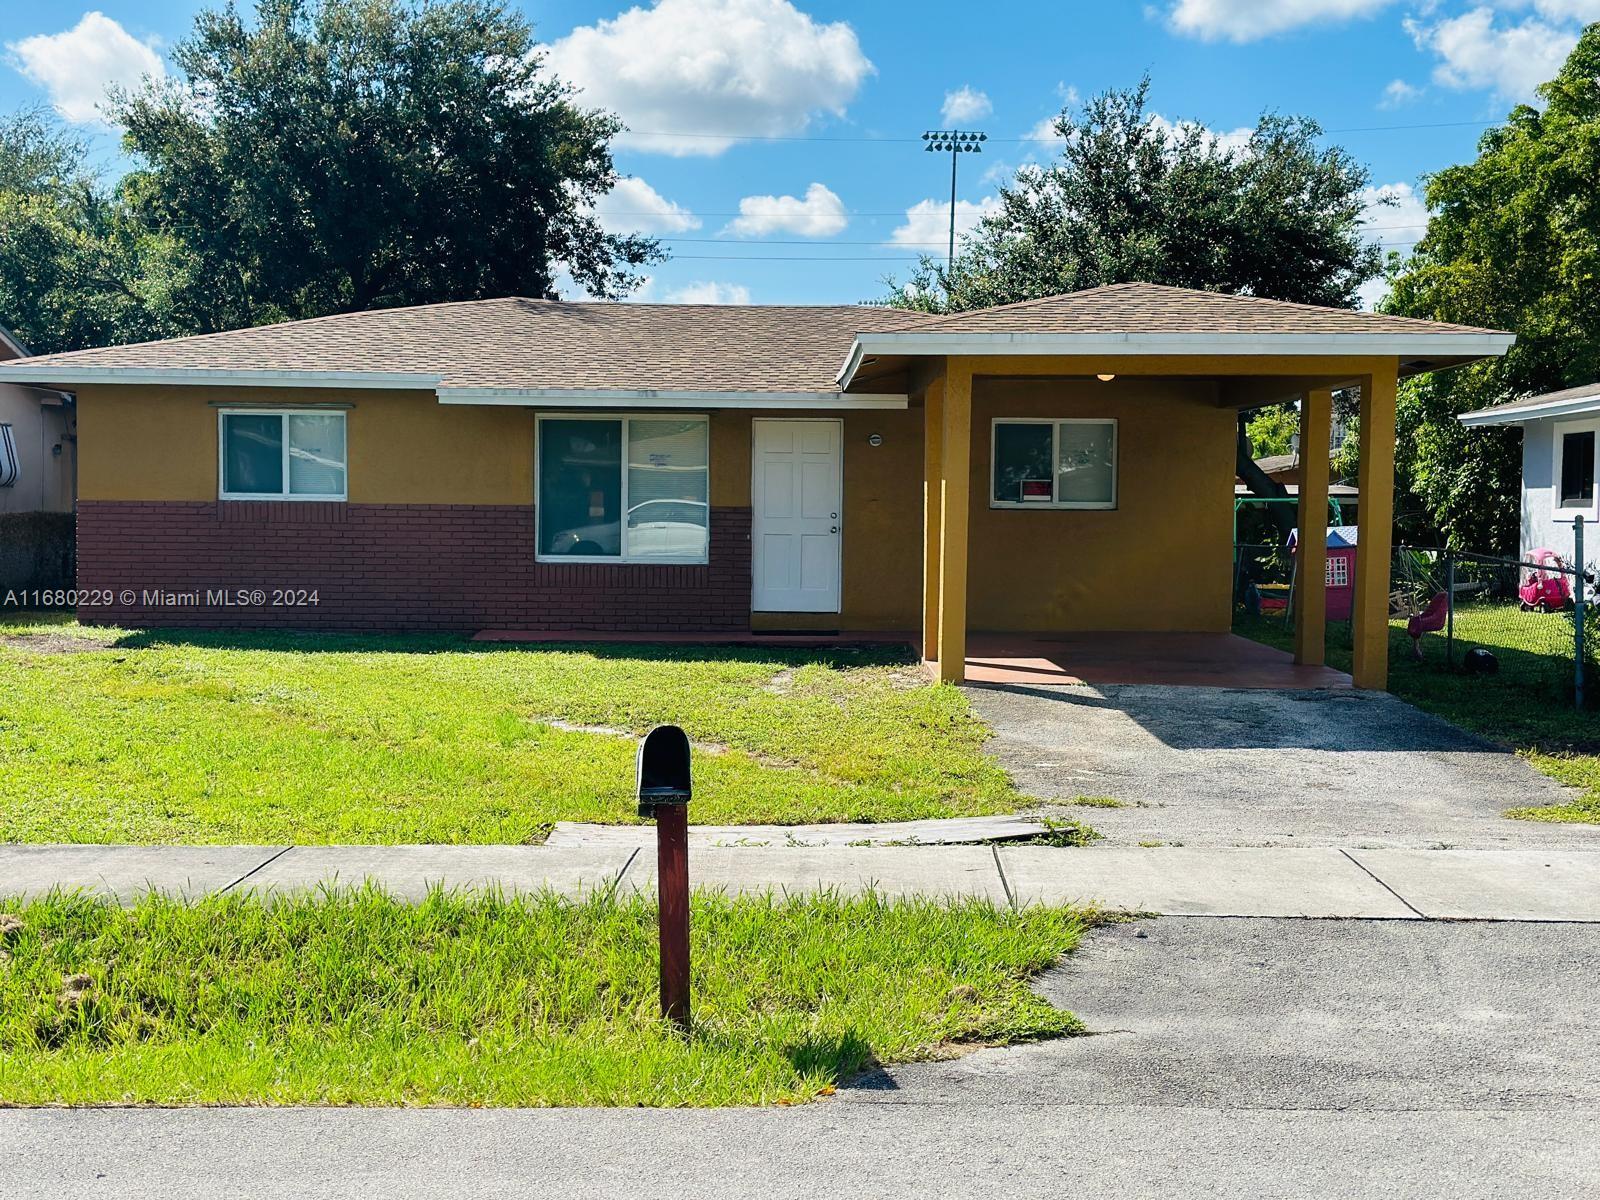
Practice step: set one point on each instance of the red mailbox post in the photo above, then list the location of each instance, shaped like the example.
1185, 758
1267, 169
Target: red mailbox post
664, 792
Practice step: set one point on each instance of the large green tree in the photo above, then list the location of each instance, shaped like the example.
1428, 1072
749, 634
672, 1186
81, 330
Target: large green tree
1134, 197
74, 271
335, 155
1513, 242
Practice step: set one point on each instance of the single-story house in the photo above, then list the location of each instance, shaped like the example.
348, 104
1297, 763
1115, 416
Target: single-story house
1065, 464
38, 457
1560, 451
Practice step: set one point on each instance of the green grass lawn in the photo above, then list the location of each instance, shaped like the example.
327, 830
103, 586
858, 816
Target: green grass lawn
1526, 706
354, 998
147, 737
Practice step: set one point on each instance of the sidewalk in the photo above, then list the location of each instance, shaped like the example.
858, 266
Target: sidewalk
1487, 885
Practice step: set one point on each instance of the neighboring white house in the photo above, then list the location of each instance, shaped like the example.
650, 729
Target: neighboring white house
38, 481
1560, 457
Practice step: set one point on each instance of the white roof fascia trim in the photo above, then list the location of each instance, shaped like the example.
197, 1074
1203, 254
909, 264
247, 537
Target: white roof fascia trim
43, 374
1404, 345
1574, 406
670, 398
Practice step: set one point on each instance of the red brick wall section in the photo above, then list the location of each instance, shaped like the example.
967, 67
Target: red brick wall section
388, 567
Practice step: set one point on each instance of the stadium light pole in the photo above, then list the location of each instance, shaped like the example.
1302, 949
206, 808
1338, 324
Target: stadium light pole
958, 142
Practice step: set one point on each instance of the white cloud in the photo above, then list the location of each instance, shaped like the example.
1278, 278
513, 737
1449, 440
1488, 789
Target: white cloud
1232, 139
76, 67
1044, 132
1394, 213
1560, 10
1396, 217
1478, 51
1398, 92
708, 291
927, 223
633, 206
819, 214
965, 104
723, 69
1251, 20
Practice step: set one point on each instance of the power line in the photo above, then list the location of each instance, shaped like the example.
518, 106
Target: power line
812, 258
671, 237
891, 138
773, 212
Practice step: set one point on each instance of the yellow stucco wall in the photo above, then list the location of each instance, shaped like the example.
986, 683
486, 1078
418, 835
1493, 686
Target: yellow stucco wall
152, 443
1161, 560
881, 588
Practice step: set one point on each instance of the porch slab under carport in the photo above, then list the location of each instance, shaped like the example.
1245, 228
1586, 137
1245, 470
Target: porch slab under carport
1218, 660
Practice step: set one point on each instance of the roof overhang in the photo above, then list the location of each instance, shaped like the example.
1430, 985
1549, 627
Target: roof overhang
597, 398
72, 376
1429, 351
668, 398
1572, 406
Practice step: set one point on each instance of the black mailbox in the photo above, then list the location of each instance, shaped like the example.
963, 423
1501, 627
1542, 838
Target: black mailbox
663, 769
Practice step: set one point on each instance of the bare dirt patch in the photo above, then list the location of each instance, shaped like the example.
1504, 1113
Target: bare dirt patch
58, 643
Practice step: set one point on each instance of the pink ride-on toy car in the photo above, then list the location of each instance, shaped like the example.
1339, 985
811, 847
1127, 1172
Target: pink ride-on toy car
1542, 588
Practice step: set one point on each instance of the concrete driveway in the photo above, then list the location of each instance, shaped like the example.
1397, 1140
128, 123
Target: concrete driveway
1230, 767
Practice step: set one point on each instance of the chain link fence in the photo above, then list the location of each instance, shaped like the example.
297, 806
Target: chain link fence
1527, 621
1522, 619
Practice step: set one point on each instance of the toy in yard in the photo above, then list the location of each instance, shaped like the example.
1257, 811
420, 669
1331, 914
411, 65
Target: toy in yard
1430, 620
1545, 589
1339, 575
1481, 662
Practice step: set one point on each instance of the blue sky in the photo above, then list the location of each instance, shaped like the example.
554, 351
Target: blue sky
778, 151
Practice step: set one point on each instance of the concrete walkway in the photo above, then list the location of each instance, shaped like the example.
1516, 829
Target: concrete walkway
1488, 885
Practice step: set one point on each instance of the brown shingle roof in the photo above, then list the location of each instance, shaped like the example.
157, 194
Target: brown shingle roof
519, 343
1153, 308
542, 344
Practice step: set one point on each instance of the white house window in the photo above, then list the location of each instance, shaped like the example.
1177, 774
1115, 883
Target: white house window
1577, 469
624, 489
1042, 463
283, 455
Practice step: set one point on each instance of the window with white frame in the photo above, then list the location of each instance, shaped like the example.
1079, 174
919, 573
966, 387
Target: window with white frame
624, 489
1575, 470
282, 454
1048, 463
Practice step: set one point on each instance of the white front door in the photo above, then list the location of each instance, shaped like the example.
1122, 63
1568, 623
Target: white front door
796, 493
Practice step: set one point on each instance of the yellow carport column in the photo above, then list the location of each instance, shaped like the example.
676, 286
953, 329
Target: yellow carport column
1374, 531
1311, 553
955, 485
932, 510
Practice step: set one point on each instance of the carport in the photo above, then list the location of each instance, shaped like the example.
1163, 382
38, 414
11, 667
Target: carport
1113, 560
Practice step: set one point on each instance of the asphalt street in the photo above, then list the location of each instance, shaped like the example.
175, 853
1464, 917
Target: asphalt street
1230, 1057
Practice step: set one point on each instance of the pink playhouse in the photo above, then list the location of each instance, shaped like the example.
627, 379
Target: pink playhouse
1341, 570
